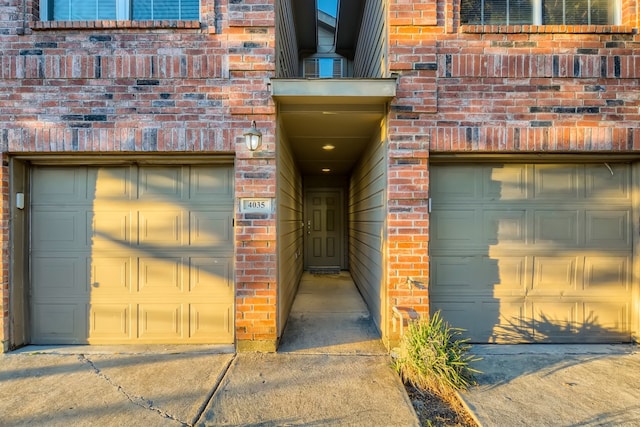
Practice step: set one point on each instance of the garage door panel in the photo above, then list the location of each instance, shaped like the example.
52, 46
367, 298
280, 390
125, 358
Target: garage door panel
479, 275
559, 227
109, 229
51, 185
453, 228
158, 320
161, 183
453, 274
211, 320
59, 276
505, 227
556, 182
607, 319
608, 229
505, 182
507, 275
555, 274
211, 185
111, 183
211, 229
161, 275
110, 322
479, 318
211, 276
59, 229
608, 182
607, 275
110, 276
163, 228
556, 321
507, 315
456, 183
59, 323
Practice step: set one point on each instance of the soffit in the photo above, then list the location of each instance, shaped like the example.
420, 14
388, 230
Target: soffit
344, 113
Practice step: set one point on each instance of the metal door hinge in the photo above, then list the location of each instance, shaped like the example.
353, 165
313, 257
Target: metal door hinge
429, 201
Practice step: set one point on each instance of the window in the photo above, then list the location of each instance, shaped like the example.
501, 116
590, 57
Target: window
90, 10
323, 68
540, 12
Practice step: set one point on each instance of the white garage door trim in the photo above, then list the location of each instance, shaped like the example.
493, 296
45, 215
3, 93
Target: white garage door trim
132, 254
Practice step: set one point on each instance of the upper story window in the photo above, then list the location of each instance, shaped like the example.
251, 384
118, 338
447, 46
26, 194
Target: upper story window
324, 68
540, 12
90, 10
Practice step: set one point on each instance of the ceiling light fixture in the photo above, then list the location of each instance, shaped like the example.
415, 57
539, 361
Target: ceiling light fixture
328, 147
325, 170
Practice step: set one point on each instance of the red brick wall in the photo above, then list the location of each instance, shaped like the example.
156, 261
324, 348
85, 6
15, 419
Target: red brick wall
506, 89
153, 87
184, 87
412, 56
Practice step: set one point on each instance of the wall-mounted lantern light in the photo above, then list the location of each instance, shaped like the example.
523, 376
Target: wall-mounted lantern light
253, 137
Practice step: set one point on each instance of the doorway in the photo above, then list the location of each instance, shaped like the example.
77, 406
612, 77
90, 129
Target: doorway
324, 229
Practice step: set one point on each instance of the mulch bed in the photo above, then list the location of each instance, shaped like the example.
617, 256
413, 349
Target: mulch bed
435, 411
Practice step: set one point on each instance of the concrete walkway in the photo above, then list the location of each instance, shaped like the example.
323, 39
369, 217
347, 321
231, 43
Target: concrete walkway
332, 370
556, 385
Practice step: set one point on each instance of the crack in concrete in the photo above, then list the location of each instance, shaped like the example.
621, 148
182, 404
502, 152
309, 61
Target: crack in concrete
214, 390
136, 400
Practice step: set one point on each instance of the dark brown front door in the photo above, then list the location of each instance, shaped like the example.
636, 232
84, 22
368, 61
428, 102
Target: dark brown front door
324, 231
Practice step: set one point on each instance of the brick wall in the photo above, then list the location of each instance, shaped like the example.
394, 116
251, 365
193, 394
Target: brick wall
152, 87
194, 86
496, 89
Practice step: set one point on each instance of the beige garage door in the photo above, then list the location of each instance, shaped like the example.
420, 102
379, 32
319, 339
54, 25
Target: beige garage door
132, 254
533, 252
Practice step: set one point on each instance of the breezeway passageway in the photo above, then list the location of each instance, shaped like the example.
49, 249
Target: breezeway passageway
330, 316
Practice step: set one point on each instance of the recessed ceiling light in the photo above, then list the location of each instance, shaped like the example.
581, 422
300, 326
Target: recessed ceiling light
326, 170
329, 113
328, 147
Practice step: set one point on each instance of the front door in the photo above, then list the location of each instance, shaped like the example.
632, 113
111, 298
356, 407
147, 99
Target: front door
324, 230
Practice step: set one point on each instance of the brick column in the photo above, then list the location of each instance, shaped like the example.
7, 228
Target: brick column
251, 47
256, 257
412, 55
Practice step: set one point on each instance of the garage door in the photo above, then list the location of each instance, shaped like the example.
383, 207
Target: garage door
132, 254
533, 252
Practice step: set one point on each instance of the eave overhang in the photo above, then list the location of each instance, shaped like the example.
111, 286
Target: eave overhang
345, 114
330, 91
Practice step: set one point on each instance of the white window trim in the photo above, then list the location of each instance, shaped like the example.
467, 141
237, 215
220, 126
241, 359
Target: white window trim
123, 10
537, 12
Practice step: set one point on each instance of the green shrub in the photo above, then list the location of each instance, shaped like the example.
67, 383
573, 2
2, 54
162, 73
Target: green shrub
434, 357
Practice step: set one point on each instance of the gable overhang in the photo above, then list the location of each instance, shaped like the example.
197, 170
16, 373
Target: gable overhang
348, 26
305, 15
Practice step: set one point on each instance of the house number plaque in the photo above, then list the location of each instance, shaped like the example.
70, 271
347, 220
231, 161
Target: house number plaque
255, 205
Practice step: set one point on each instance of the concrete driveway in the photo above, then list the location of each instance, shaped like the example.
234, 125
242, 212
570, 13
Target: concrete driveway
556, 385
85, 386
